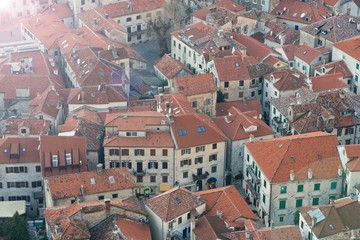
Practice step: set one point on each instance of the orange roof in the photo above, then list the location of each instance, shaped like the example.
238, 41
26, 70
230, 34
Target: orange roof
233, 67
353, 153
287, 79
289, 51
26, 149
334, 67
48, 29
173, 203
178, 104
191, 122
350, 46
66, 186
330, 2
61, 10
170, 67
249, 105
152, 139
235, 124
228, 9
136, 6
227, 200
197, 84
304, 12
308, 54
279, 156
35, 126
328, 82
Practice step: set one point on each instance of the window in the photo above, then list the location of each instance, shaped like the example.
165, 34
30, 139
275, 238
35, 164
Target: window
274, 110
23, 130
333, 185
139, 152
213, 157
296, 27
226, 84
153, 165
128, 19
316, 186
241, 83
179, 46
241, 94
179, 220
182, 132
82, 2
55, 160
315, 201
114, 152
101, 197
139, 179
194, 104
282, 204
125, 152
200, 129
185, 162
38, 168
356, 78
357, 66
174, 43
253, 82
152, 152
331, 198
259, 92
226, 95
115, 195
164, 179
5, 150
164, 152
198, 160
300, 188
114, 164
138, 37
319, 42
283, 189
213, 169
164, 165
214, 146
138, 17
264, 198
185, 151
36, 184
68, 158
152, 179
200, 149
185, 174
281, 219
299, 202
126, 164
131, 134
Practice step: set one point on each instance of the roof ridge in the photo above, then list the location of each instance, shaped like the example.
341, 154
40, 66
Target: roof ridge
233, 203
281, 160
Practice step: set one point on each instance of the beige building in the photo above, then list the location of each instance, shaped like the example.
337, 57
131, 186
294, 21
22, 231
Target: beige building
307, 58
16, 127
349, 156
284, 176
170, 213
88, 186
200, 90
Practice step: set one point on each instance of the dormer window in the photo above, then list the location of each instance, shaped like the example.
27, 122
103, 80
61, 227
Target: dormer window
24, 149
23, 131
131, 134
68, 159
323, 70
5, 150
55, 160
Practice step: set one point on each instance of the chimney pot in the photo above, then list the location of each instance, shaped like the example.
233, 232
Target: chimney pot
107, 203
99, 169
292, 175
161, 97
310, 174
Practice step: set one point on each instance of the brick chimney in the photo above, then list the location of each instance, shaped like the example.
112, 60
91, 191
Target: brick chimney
310, 174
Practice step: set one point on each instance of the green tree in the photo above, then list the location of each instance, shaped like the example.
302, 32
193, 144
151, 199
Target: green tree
19, 229
163, 83
5, 227
296, 217
220, 96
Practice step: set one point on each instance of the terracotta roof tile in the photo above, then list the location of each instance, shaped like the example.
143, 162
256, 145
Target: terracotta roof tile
35, 126
275, 159
350, 46
61, 10
171, 67
222, 109
328, 82
178, 104
289, 51
66, 186
308, 54
122, 8
353, 153
197, 84
174, 203
278, 31
152, 139
203, 230
287, 79
334, 67
31, 153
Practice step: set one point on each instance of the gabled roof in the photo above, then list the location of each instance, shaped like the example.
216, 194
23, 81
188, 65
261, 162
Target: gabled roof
233, 67
190, 123
308, 54
61, 10
328, 82
236, 124
303, 12
334, 67
135, 6
353, 153
229, 201
178, 104
67, 186
278, 31
287, 79
279, 156
135, 121
35, 126
343, 215
151, 139
334, 29
174, 203
288, 50
170, 67
197, 84
25, 147
222, 109
350, 46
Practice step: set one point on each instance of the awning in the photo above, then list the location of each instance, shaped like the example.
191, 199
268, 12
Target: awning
212, 180
164, 188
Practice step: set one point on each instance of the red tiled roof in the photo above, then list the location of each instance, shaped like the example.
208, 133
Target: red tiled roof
227, 200
178, 104
350, 46
35, 126
203, 230
48, 29
136, 6
170, 67
197, 84
174, 203
189, 122
222, 109
61, 10
330, 2
328, 82
235, 124
279, 156
353, 152
17, 145
308, 54
312, 11
66, 186
287, 79
289, 51
335, 67
233, 67
152, 139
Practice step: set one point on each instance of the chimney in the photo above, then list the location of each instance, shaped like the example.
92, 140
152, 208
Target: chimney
332, 201
198, 200
161, 97
192, 224
82, 190
251, 137
167, 89
82, 96
107, 203
106, 16
292, 175
99, 169
219, 214
171, 118
58, 229
348, 11
244, 100
247, 235
340, 171
313, 222
337, 12
272, 224
160, 90
282, 39
310, 174
94, 21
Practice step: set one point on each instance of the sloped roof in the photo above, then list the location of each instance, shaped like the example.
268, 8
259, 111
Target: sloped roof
61, 10
350, 46
328, 82
174, 203
135, 6
13, 145
279, 156
287, 79
353, 152
308, 54
334, 67
197, 84
35, 126
244, 106
171, 67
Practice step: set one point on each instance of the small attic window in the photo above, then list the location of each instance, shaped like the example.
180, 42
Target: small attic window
319, 156
182, 132
304, 52
92, 180
331, 227
294, 15
292, 159
5, 150
257, 67
323, 70
177, 200
237, 65
181, 88
111, 179
286, 50
24, 149
294, 80
200, 129
101, 74
93, 94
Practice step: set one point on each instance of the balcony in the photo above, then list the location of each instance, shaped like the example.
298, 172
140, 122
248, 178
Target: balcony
252, 189
253, 174
200, 176
139, 173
